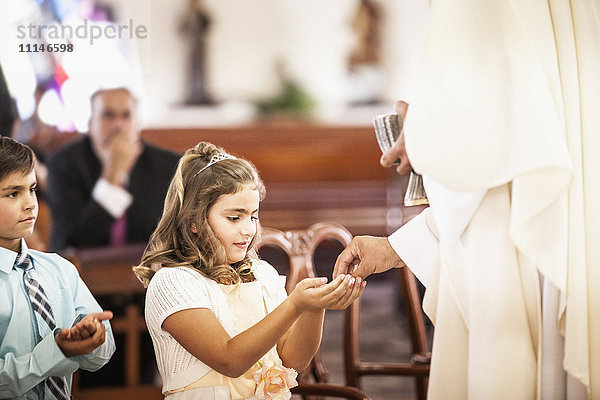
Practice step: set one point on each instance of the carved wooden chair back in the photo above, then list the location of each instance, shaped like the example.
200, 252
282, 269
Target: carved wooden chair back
299, 247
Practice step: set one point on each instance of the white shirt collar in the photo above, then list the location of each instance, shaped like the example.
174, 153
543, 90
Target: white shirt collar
8, 257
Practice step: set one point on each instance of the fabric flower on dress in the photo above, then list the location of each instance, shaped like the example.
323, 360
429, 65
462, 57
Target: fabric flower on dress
274, 380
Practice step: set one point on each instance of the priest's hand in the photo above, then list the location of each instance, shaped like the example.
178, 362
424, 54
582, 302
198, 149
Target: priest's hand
366, 255
398, 149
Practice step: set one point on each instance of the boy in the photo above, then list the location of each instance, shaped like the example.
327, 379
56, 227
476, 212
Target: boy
40, 295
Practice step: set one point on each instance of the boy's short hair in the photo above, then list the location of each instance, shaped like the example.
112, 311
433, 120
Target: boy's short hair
15, 157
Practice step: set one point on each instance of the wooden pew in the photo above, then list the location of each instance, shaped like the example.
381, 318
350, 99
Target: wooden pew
312, 172
289, 152
107, 271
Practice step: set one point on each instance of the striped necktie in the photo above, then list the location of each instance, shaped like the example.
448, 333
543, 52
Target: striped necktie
55, 386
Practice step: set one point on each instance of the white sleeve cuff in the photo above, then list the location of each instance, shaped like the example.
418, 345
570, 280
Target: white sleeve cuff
50, 359
417, 246
112, 198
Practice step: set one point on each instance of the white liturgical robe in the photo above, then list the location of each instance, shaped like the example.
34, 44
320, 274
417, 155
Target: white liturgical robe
505, 129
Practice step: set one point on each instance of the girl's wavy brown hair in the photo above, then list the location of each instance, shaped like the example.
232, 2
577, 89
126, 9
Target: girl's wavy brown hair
190, 196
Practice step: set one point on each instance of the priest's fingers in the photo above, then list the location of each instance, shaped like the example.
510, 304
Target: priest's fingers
348, 259
364, 256
401, 109
398, 149
395, 153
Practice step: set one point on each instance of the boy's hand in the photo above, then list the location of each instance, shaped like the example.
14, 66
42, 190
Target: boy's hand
85, 336
87, 326
313, 293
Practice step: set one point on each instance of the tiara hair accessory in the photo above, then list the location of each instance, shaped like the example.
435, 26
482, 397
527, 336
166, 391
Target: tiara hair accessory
215, 159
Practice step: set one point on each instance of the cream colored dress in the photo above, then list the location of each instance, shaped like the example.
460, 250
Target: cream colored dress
505, 128
236, 307
248, 308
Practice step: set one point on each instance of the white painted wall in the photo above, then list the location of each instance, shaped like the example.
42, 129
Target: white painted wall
247, 37
312, 38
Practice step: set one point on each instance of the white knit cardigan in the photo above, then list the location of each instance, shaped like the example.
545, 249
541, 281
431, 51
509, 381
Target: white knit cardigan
181, 288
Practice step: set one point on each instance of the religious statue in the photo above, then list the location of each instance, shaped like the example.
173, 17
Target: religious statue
195, 26
365, 73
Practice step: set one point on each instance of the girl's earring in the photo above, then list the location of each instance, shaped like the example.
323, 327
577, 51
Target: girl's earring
194, 228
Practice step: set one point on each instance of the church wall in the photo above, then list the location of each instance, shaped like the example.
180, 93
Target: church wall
311, 38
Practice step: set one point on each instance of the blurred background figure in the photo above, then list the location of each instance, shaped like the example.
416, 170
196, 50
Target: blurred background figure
115, 194
8, 115
366, 76
195, 26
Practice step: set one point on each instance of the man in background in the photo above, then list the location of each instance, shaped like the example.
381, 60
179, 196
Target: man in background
108, 188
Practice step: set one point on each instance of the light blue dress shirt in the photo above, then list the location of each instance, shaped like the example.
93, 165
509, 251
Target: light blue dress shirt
24, 365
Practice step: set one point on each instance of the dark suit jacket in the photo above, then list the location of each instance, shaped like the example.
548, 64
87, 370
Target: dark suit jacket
78, 221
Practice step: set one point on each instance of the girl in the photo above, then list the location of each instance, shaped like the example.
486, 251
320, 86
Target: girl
219, 318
